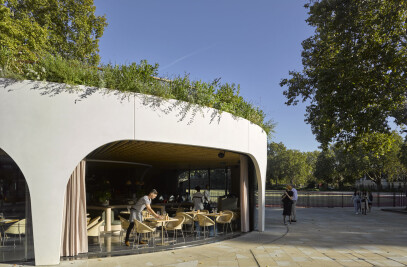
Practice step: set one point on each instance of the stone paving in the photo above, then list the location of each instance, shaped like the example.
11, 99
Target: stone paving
321, 237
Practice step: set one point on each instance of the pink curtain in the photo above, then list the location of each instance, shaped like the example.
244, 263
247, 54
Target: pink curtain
244, 194
74, 233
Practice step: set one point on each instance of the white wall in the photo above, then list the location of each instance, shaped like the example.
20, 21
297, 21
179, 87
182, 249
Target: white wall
48, 128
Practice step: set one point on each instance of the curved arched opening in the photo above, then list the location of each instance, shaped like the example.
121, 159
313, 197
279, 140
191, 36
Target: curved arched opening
15, 213
117, 174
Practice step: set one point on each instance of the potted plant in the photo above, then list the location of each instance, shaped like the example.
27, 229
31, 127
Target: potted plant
103, 197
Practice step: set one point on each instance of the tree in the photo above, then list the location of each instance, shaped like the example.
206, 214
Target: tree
311, 160
296, 172
347, 165
276, 162
289, 165
73, 30
354, 69
19, 38
378, 155
325, 167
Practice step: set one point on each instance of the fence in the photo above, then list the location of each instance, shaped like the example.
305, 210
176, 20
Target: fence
331, 199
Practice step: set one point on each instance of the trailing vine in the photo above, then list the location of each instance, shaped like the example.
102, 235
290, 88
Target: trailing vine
137, 78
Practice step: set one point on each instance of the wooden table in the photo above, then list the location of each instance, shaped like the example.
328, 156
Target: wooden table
108, 213
195, 213
163, 222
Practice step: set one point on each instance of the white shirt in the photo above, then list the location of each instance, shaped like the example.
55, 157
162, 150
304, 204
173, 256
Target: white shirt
197, 199
207, 195
295, 194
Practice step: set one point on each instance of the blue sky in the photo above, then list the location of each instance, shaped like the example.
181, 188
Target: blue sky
251, 43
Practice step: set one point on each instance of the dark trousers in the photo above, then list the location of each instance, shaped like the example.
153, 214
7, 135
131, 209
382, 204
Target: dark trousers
129, 231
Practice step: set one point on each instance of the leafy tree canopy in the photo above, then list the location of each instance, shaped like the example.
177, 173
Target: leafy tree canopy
378, 155
19, 38
68, 28
289, 165
354, 69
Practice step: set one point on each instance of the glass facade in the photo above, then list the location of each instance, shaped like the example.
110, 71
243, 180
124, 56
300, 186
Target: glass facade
16, 240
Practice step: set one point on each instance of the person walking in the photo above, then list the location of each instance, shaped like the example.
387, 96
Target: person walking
294, 206
356, 201
286, 198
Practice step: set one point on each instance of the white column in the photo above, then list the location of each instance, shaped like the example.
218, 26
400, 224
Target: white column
261, 205
47, 205
244, 194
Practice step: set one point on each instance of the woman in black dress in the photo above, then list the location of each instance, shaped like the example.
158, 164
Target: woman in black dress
287, 203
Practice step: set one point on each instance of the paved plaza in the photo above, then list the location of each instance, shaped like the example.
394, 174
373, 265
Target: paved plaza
321, 237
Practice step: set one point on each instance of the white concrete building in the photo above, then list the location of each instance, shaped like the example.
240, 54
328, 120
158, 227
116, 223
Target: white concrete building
48, 129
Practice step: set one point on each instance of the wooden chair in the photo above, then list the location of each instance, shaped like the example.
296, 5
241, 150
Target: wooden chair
92, 222
17, 228
188, 220
94, 231
226, 219
204, 221
125, 225
142, 228
175, 226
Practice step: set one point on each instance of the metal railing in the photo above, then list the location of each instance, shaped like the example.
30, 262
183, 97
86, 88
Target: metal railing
331, 199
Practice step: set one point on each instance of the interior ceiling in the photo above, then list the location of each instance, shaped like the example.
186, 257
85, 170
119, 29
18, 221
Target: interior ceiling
166, 156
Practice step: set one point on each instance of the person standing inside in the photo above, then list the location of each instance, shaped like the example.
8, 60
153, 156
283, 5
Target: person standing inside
294, 206
135, 212
207, 197
198, 199
286, 198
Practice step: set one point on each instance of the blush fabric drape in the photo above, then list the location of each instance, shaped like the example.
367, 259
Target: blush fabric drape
74, 233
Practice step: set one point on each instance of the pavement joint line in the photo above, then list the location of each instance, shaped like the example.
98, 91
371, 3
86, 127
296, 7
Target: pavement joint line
278, 238
390, 259
324, 253
258, 264
274, 240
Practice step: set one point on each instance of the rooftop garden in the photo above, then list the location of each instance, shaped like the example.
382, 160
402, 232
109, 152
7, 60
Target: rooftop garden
135, 77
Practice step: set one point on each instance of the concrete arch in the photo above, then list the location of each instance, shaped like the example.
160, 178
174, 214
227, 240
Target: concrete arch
49, 128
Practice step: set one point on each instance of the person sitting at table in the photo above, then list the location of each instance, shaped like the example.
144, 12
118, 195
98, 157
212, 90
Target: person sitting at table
135, 213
